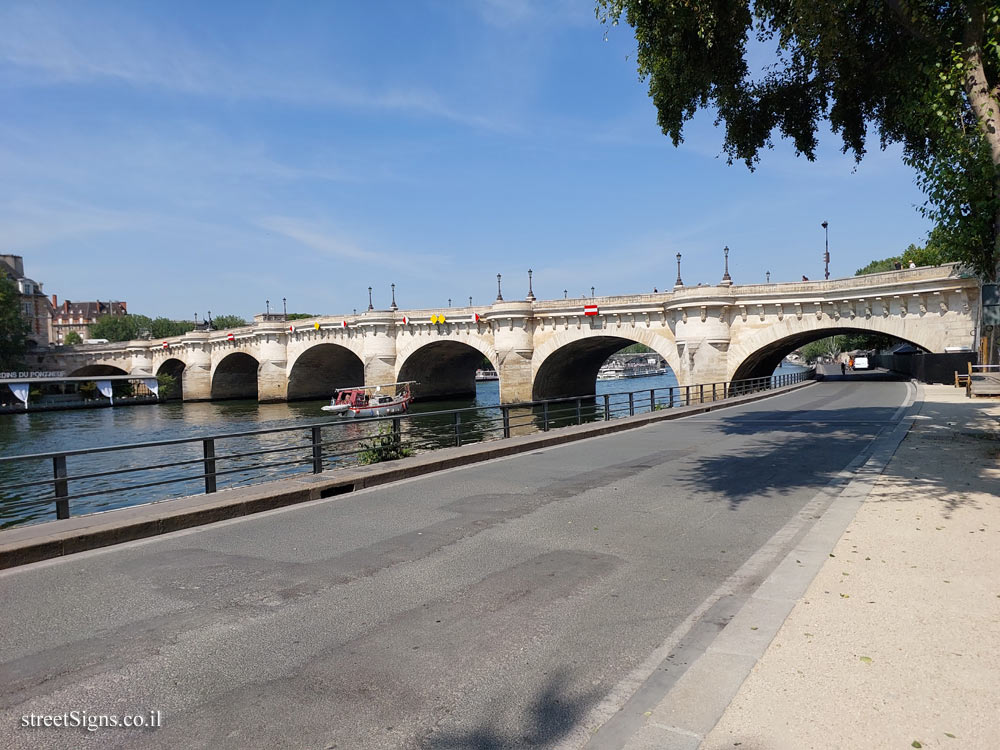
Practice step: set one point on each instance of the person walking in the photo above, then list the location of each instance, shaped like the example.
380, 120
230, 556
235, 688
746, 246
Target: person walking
843, 369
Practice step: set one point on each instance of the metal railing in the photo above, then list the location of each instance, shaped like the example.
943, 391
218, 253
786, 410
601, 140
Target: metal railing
195, 465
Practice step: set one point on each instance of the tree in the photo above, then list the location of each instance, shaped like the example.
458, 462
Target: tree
828, 347
299, 316
161, 328
934, 253
72, 338
121, 327
13, 328
921, 74
228, 321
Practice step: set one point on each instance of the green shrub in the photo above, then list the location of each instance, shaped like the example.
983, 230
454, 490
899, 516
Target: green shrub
385, 445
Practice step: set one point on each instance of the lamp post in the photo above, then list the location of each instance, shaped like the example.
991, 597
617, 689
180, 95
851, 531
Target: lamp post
726, 278
826, 255
678, 282
767, 274
499, 296
284, 308
393, 305
531, 293
267, 308
592, 292
470, 301
565, 294
210, 320
449, 302
370, 305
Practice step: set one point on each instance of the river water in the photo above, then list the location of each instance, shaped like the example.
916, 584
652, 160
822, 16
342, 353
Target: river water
43, 432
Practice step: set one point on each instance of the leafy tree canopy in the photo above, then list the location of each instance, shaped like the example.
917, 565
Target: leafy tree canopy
299, 316
121, 327
913, 72
161, 328
228, 321
934, 253
72, 338
13, 327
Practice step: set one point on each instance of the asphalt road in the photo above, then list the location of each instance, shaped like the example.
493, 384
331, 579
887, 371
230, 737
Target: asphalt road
498, 605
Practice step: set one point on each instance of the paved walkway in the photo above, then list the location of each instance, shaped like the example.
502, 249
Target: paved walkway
896, 643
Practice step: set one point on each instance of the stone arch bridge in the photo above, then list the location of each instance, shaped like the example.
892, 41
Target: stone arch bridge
548, 348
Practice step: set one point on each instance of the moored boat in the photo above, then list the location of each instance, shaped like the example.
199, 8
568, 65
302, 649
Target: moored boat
372, 400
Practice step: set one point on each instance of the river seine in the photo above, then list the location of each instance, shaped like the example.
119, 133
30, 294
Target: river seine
52, 431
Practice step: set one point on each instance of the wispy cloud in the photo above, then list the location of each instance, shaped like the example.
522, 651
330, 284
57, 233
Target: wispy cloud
40, 46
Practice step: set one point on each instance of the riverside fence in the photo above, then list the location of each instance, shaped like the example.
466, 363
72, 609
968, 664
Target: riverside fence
88, 480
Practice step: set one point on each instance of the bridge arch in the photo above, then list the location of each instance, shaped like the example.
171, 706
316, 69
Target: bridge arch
87, 370
317, 371
235, 376
445, 367
174, 368
758, 355
567, 363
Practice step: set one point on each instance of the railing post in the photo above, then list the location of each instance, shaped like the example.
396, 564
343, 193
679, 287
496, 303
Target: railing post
545, 416
397, 432
701, 393
670, 404
652, 399
713, 391
631, 403
607, 407
687, 395
506, 420
317, 446
61, 486
579, 416
725, 390
209, 449
458, 428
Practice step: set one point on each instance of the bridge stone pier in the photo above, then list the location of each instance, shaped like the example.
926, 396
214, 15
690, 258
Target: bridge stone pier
548, 348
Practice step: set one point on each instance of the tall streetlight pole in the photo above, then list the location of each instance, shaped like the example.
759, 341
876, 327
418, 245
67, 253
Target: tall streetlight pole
499, 295
284, 308
370, 305
678, 282
826, 255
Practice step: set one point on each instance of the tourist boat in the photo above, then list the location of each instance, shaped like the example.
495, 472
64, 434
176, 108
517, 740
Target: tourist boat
611, 371
482, 375
371, 400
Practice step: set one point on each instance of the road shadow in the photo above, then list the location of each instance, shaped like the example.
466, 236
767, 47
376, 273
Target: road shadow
827, 440
551, 715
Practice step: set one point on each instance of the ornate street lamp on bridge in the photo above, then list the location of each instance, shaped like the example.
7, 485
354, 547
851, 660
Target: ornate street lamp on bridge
370, 305
499, 295
826, 255
531, 293
393, 305
678, 282
726, 278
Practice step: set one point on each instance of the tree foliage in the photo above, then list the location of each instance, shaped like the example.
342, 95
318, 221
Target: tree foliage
299, 316
228, 321
72, 338
921, 74
121, 327
935, 252
13, 327
161, 328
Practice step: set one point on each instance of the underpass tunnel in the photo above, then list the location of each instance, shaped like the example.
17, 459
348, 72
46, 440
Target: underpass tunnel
443, 369
175, 369
97, 370
320, 370
572, 369
235, 377
762, 363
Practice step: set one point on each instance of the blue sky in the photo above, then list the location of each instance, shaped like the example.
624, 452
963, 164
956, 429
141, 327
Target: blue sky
192, 156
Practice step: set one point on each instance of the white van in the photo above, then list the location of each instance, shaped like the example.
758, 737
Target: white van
861, 363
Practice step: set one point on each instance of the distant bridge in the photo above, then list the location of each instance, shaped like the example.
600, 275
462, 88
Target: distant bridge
547, 348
